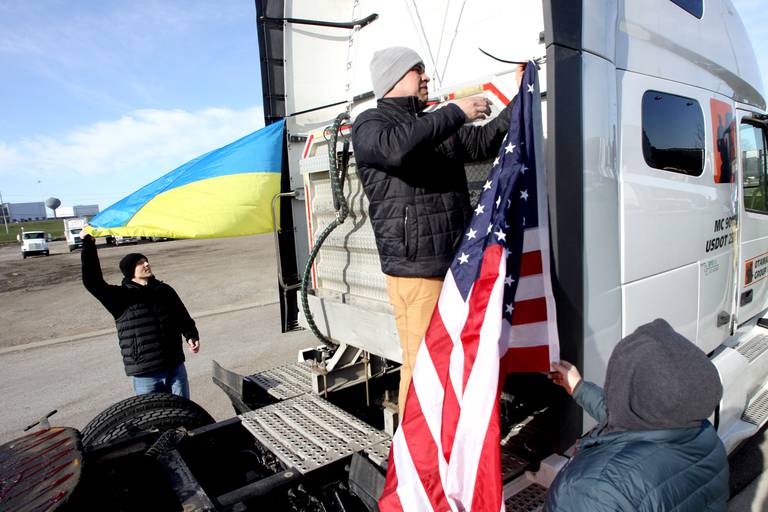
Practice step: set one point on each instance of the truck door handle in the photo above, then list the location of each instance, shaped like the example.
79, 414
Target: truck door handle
746, 298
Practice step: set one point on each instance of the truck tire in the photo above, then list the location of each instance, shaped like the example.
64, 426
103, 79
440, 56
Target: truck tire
72, 248
47, 253
154, 411
23, 255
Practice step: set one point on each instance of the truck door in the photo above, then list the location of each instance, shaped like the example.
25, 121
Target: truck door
753, 229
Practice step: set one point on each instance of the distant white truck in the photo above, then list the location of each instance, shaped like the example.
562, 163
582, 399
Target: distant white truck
72, 229
33, 242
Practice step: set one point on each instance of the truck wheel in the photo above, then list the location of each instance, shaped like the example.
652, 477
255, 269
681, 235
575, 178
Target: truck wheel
47, 253
23, 255
72, 248
154, 411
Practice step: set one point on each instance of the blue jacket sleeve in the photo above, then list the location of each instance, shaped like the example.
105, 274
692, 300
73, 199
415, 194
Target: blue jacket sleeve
590, 397
585, 495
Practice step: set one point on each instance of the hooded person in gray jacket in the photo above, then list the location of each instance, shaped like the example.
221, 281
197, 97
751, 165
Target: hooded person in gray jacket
653, 448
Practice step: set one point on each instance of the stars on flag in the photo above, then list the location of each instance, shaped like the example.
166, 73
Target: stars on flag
500, 235
523, 168
524, 195
472, 234
509, 308
510, 148
530, 88
487, 185
508, 281
480, 209
464, 258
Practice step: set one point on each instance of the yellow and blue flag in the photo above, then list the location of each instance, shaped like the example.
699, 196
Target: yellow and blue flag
226, 192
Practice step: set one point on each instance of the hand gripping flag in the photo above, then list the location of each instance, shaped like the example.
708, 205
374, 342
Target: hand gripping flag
496, 313
226, 192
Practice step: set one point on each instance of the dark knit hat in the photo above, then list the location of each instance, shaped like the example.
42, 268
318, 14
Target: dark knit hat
128, 264
657, 379
389, 65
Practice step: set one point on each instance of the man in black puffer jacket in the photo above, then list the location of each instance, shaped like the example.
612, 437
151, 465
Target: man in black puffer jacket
654, 449
411, 166
150, 320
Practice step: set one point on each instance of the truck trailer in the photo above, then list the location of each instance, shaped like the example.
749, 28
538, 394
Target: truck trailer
72, 229
655, 125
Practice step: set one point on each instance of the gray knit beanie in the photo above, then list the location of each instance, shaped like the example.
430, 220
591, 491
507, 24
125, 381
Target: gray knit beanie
389, 65
657, 379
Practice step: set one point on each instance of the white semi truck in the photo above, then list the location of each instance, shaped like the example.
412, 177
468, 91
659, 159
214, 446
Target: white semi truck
655, 126
33, 242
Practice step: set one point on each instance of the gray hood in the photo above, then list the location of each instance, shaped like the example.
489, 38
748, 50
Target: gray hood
657, 379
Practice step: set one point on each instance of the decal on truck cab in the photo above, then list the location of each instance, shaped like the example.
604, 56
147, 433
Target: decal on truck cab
723, 140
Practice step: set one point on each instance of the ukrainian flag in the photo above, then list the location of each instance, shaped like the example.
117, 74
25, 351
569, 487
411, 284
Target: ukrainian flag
227, 192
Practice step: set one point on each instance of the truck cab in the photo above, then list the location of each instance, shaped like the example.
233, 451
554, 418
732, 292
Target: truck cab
33, 242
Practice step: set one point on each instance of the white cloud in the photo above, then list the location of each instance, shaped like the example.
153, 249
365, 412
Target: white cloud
145, 142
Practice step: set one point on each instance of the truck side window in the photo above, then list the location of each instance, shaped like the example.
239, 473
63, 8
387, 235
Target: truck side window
695, 7
673, 133
753, 165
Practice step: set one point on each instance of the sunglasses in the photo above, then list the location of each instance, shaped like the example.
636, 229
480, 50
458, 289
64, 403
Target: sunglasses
418, 68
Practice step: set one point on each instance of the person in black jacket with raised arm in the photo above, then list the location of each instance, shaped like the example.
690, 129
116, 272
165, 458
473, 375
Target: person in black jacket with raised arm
150, 320
411, 165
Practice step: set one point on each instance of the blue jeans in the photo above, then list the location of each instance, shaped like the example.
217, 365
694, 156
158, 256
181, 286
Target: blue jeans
173, 380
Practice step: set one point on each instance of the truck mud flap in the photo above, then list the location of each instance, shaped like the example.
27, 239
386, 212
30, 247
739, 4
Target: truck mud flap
366, 480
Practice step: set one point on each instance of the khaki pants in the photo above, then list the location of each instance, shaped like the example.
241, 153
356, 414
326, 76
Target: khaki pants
414, 300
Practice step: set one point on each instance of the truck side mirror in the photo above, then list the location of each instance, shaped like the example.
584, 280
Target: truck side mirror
48, 237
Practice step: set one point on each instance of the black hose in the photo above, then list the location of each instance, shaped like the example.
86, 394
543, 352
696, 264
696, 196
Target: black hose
342, 210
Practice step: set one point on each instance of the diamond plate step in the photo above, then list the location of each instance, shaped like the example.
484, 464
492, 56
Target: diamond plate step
287, 381
379, 453
530, 499
757, 410
307, 432
511, 464
754, 347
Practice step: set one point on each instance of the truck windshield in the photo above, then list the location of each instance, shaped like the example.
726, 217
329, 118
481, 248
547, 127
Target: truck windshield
76, 231
31, 236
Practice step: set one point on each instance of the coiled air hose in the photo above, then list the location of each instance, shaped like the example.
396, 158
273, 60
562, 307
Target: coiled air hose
342, 210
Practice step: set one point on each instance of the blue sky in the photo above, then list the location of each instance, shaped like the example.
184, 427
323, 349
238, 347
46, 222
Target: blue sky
98, 98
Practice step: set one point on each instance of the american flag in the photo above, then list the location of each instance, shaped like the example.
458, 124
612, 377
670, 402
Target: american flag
496, 313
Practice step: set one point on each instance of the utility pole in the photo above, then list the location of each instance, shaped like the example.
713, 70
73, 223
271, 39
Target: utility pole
2, 207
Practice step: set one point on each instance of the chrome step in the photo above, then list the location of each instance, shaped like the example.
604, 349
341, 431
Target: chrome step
757, 410
308, 432
529, 499
287, 381
753, 348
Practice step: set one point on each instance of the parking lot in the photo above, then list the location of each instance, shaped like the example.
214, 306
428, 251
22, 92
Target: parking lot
58, 348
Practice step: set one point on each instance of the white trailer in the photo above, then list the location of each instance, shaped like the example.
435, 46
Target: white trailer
72, 229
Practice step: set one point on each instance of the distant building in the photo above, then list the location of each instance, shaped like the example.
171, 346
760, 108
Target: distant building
79, 210
20, 212
85, 210
63, 212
